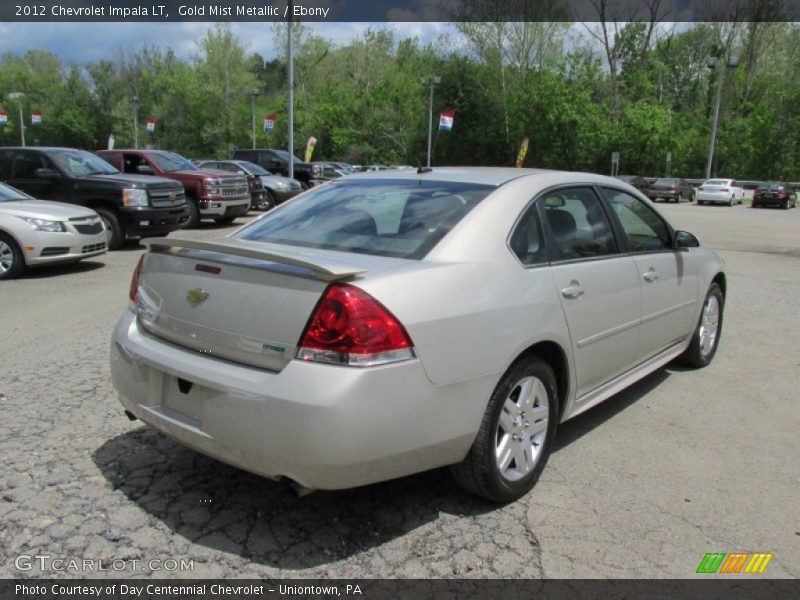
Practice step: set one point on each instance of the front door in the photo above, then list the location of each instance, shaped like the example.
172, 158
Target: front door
669, 277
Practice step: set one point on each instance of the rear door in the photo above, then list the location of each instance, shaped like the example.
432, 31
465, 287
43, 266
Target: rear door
598, 285
669, 277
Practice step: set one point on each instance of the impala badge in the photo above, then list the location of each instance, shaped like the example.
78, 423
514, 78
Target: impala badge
196, 296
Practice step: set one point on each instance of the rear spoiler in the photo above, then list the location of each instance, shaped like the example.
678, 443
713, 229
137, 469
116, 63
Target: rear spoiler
324, 270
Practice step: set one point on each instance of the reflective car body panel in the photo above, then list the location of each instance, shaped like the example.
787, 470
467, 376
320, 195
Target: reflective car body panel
207, 353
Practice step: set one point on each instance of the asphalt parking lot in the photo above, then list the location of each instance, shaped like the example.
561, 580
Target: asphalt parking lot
681, 464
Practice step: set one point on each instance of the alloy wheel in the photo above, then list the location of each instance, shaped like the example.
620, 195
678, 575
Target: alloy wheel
709, 326
522, 428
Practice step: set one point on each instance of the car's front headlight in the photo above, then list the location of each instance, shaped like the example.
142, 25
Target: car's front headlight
281, 186
213, 186
45, 225
134, 197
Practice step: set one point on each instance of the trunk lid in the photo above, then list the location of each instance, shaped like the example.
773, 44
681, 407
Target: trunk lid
243, 301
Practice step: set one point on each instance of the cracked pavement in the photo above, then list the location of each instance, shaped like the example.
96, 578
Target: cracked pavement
682, 463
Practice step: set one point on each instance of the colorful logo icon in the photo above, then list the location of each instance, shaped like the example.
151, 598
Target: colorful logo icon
734, 562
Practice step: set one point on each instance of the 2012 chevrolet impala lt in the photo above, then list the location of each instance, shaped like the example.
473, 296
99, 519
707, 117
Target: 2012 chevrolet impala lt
386, 324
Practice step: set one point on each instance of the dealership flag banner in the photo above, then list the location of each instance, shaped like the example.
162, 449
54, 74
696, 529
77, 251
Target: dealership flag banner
269, 122
36, 117
523, 150
312, 142
151, 126
446, 120
3, 118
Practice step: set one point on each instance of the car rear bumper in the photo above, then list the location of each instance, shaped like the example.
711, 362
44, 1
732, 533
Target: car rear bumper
721, 198
52, 248
326, 427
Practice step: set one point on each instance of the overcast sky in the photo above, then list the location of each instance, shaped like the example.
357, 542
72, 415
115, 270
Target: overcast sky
86, 42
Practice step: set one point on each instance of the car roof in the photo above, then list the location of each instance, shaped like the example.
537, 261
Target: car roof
495, 176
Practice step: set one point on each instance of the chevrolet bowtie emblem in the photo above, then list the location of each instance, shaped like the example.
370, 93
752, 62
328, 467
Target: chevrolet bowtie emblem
196, 295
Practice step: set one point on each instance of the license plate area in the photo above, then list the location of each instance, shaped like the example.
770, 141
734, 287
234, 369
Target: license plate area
184, 398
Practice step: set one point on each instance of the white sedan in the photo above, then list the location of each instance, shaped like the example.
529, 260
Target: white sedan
720, 191
37, 232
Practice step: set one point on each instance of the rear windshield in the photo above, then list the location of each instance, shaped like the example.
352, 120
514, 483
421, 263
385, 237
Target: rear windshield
171, 162
398, 218
716, 182
773, 186
663, 181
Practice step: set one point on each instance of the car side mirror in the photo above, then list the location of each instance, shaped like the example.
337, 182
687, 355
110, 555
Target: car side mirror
684, 239
145, 170
50, 174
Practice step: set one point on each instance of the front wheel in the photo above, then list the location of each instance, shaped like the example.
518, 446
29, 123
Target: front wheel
115, 236
706, 336
194, 214
516, 434
12, 263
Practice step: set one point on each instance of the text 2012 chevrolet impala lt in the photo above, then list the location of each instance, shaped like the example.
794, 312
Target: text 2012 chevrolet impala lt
390, 323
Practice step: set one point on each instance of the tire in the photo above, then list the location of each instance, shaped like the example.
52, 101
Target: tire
701, 350
225, 220
753, 205
680, 198
731, 201
12, 261
194, 214
701, 202
480, 473
268, 203
786, 204
115, 236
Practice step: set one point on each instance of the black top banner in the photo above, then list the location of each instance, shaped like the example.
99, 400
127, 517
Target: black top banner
402, 10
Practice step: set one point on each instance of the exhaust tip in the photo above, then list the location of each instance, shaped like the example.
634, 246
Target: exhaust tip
130, 415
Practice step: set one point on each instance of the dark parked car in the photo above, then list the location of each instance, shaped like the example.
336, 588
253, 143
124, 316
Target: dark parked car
217, 195
277, 163
130, 205
637, 181
266, 190
670, 188
777, 193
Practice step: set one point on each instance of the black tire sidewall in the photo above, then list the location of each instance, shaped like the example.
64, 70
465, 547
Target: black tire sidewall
194, 213
111, 219
694, 355
500, 488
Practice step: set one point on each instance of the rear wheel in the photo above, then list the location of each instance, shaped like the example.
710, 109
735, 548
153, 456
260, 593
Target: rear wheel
12, 262
515, 436
680, 198
786, 204
115, 236
706, 336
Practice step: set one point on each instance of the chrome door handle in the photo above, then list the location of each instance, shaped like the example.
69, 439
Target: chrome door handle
574, 290
650, 276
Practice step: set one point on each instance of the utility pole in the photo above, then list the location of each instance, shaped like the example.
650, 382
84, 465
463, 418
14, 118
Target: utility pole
253, 95
711, 63
432, 82
290, 61
18, 97
135, 122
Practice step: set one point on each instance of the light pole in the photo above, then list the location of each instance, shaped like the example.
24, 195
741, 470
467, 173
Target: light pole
290, 78
432, 82
135, 122
253, 95
18, 97
711, 63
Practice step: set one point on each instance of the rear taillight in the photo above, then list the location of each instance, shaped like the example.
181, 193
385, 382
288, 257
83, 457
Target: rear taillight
782, 194
700, 189
349, 327
725, 190
673, 188
137, 273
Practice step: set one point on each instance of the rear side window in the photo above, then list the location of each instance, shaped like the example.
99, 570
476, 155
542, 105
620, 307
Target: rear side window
397, 218
527, 241
579, 225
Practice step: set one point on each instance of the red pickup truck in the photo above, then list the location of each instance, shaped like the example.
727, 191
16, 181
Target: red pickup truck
210, 193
